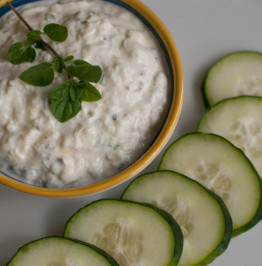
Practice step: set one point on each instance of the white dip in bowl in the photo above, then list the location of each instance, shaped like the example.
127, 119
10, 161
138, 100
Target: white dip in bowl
106, 136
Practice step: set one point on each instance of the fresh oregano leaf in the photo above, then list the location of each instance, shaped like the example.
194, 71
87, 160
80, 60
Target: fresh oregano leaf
39, 45
68, 89
81, 62
85, 72
80, 84
33, 36
66, 99
90, 93
69, 58
21, 52
62, 91
58, 63
76, 93
56, 32
65, 109
72, 93
39, 75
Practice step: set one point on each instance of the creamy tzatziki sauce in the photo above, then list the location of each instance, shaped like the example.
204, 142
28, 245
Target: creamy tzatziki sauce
106, 136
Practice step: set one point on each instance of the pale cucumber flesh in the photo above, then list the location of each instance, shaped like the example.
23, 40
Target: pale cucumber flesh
238, 120
234, 75
134, 234
60, 251
203, 218
218, 165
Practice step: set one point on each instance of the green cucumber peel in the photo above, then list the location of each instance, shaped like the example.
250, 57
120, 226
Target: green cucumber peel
258, 215
222, 246
22, 252
167, 218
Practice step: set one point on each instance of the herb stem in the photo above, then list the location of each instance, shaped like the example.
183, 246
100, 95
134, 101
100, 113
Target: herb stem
49, 47
20, 16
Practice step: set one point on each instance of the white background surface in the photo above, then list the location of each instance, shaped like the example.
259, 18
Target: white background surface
204, 30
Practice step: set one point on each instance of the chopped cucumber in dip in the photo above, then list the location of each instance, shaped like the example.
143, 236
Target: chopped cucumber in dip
217, 164
132, 233
56, 251
204, 219
236, 74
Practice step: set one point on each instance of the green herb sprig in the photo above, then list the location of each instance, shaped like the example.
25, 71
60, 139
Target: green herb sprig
65, 100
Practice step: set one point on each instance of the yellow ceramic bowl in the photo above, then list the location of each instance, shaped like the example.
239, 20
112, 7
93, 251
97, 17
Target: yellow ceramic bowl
176, 72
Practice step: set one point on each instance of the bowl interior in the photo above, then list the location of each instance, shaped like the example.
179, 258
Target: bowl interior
176, 74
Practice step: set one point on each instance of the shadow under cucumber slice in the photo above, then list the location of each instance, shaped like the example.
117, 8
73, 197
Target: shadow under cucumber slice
205, 221
132, 233
218, 165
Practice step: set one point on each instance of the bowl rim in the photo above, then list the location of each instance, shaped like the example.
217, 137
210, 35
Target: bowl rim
165, 133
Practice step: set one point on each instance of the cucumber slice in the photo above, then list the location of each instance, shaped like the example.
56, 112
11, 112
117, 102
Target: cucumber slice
238, 120
236, 74
203, 217
60, 251
218, 165
134, 234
